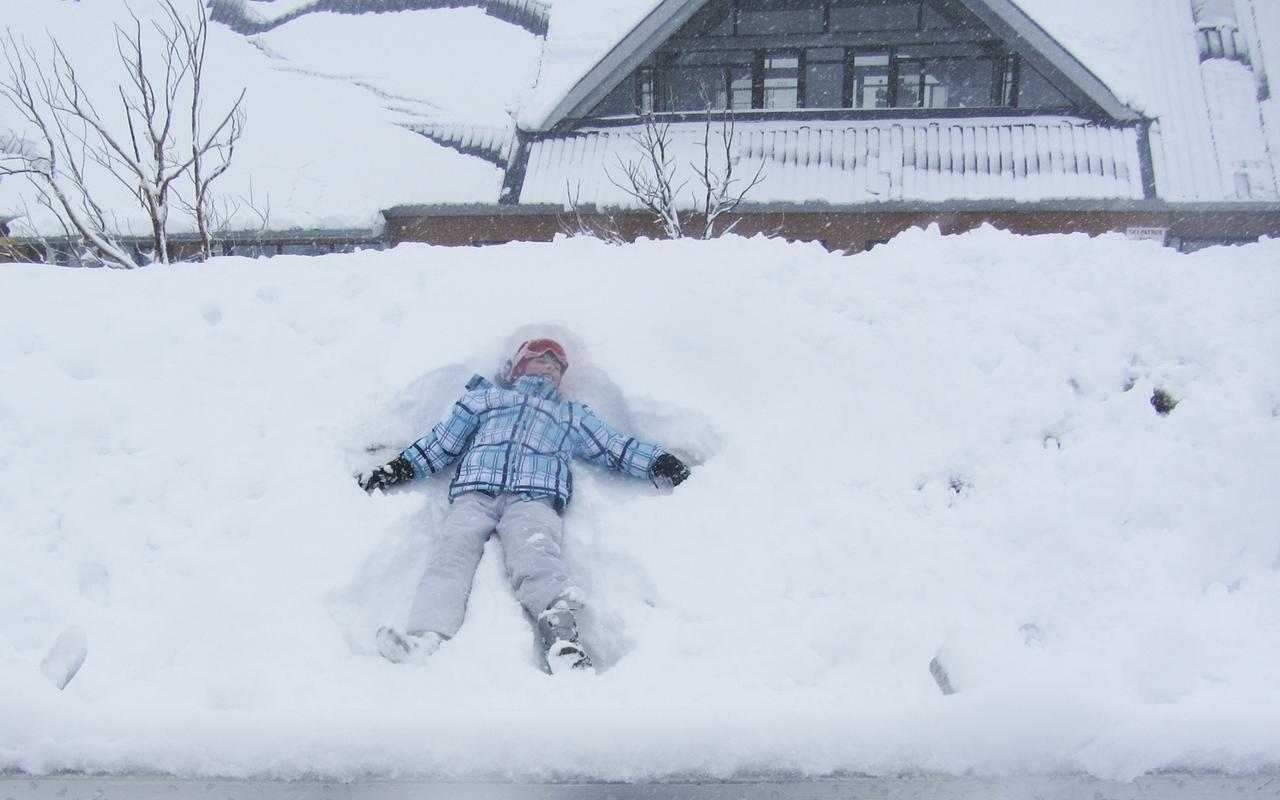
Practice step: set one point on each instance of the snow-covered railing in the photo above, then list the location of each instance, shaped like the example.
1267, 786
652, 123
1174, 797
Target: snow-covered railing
1022, 159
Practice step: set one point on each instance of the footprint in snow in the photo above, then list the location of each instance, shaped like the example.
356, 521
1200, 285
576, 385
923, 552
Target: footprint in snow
94, 582
65, 658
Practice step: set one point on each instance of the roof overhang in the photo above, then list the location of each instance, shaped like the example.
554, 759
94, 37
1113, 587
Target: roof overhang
1005, 19
657, 26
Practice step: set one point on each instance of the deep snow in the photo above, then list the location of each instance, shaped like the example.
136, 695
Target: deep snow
942, 444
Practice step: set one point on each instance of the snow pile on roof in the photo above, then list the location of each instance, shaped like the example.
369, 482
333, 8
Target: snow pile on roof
940, 445
455, 65
1112, 38
1022, 159
272, 10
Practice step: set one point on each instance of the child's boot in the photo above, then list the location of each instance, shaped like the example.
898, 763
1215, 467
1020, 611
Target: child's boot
559, 631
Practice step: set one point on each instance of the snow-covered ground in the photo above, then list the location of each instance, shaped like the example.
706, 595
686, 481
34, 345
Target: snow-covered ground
942, 445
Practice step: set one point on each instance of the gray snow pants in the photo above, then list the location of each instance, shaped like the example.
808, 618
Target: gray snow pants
531, 533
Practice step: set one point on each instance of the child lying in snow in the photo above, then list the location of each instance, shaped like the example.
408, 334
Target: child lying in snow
515, 445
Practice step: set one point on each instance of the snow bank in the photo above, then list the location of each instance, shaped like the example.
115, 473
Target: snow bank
940, 446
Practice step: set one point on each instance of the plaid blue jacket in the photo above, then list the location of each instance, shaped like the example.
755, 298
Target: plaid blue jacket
520, 440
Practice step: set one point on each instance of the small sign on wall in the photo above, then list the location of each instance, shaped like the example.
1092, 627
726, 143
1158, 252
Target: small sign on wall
1148, 234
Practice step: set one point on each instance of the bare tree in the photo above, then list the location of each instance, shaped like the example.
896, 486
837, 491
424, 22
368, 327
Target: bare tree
58, 174
9, 249
143, 151
652, 181
720, 194
210, 154
592, 224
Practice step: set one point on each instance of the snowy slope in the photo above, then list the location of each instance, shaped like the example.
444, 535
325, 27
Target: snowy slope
942, 444
457, 65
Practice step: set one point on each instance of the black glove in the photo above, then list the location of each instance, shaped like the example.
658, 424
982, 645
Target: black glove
389, 474
669, 467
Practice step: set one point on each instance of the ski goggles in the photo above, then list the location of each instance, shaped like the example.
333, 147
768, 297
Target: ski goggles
537, 347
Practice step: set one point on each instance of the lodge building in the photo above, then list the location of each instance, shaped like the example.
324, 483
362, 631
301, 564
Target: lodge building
865, 117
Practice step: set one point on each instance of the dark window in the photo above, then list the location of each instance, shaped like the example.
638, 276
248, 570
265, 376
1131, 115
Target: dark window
1008, 80
1034, 91
1211, 42
785, 67
621, 101
692, 88
934, 76
932, 18
959, 83
741, 88
644, 90
697, 80
870, 86
824, 78
887, 15
765, 17
910, 84
929, 51
715, 19
780, 80
305, 249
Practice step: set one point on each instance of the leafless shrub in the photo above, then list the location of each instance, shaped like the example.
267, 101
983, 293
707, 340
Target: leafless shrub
652, 181
591, 224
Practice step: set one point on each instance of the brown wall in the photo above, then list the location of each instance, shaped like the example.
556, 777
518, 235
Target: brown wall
849, 232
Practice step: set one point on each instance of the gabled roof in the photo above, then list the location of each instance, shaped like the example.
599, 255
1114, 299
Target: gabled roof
1004, 18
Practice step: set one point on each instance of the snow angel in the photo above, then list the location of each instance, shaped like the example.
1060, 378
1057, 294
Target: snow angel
513, 443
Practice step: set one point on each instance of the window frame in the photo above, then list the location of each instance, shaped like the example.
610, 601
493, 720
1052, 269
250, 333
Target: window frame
757, 77
661, 80
919, 26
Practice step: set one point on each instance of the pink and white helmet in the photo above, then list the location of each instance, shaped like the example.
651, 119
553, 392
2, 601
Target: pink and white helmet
532, 349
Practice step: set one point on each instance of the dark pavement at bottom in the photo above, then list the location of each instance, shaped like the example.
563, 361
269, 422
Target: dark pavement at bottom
1155, 787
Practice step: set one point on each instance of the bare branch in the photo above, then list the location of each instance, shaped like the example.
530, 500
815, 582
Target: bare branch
651, 181
720, 197
596, 227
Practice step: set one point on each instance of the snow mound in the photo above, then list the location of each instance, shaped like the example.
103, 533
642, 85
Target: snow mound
943, 447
